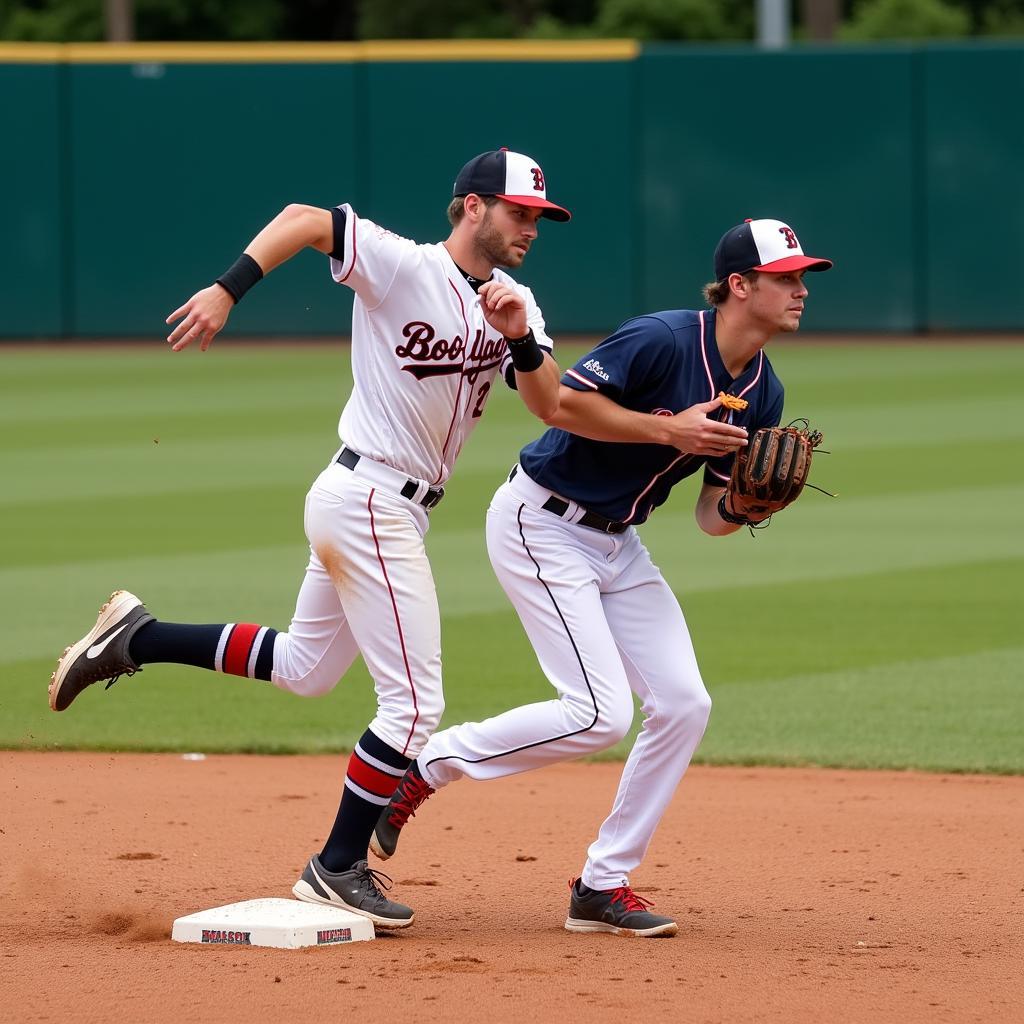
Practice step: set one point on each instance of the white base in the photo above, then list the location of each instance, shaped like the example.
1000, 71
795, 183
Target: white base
285, 924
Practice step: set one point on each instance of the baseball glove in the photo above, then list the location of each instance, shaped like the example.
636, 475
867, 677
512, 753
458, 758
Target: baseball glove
769, 473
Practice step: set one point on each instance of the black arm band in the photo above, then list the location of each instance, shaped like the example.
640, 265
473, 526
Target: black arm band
240, 276
338, 220
728, 516
526, 354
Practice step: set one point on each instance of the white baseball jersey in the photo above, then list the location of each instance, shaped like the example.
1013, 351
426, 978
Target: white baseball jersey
423, 356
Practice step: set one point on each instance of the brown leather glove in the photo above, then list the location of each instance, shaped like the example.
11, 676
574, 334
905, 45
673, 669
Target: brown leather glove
768, 474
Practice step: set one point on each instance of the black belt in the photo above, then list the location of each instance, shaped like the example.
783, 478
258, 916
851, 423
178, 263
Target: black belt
559, 507
591, 519
350, 459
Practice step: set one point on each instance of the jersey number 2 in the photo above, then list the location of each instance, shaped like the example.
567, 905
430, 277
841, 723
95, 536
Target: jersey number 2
481, 398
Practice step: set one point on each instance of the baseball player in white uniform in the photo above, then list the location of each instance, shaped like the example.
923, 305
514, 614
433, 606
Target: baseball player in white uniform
665, 396
432, 327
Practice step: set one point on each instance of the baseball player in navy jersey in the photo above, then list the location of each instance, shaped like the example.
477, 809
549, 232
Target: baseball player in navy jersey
432, 327
636, 415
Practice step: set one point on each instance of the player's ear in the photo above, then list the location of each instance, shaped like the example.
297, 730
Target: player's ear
475, 207
740, 286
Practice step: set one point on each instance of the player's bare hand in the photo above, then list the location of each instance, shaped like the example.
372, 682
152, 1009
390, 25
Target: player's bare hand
201, 318
504, 309
696, 432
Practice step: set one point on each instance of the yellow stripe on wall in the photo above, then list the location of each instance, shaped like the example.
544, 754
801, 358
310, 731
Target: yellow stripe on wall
31, 53
503, 49
333, 53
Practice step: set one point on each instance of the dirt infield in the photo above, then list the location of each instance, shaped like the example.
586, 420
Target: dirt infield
802, 896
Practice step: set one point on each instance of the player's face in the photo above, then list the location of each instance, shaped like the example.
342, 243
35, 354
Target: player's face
778, 300
506, 233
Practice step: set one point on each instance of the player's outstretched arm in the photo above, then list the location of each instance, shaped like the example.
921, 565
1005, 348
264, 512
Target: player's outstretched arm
706, 512
294, 228
593, 415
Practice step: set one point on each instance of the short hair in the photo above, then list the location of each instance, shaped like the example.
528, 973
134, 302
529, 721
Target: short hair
457, 208
716, 292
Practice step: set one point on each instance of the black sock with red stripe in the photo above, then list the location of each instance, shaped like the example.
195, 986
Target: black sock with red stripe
374, 771
238, 648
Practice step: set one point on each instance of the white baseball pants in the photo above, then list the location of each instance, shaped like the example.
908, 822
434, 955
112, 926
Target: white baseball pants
604, 625
368, 590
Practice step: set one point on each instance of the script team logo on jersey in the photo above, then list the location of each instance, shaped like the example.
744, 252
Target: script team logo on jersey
596, 369
438, 357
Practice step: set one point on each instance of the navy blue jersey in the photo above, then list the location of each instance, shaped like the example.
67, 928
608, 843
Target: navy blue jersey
661, 363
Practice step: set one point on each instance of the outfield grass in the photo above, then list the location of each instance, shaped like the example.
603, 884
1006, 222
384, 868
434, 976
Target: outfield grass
880, 629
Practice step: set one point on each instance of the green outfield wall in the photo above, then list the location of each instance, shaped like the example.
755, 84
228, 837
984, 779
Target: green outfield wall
132, 175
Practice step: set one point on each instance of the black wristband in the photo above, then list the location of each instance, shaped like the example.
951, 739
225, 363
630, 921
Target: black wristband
728, 516
526, 354
240, 276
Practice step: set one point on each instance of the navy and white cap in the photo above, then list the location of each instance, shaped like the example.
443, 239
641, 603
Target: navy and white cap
510, 176
766, 245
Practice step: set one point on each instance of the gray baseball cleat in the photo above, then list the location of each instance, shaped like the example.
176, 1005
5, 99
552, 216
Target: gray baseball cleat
102, 653
412, 790
619, 911
357, 889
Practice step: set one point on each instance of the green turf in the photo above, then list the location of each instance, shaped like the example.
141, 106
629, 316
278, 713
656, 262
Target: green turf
880, 628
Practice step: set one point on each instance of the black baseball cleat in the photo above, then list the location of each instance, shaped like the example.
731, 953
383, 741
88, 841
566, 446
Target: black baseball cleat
619, 911
357, 889
412, 791
102, 653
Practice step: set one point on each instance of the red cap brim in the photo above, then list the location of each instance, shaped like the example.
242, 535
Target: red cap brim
790, 263
551, 211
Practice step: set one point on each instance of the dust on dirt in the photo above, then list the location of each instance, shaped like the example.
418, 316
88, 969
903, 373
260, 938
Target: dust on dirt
801, 895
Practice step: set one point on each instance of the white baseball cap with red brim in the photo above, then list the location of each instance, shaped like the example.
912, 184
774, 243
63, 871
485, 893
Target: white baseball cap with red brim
513, 177
765, 245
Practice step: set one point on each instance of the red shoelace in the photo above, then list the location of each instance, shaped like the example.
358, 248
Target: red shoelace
413, 792
625, 896
629, 899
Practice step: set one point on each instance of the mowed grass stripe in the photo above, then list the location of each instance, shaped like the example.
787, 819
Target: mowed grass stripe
861, 424
897, 372
48, 608
299, 422
804, 624
250, 383
131, 400
148, 465
857, 358
912, 714
146, 468
789, 629
189, 521
43, 369
939, 714
40, 387
821, 538
920, 468
163, 466
213, 535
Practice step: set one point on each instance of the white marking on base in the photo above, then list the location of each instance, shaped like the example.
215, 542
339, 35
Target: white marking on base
284, 924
